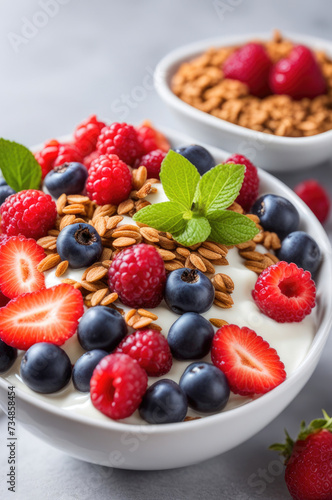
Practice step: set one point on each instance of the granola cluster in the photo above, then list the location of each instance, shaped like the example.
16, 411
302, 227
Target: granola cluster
201, 84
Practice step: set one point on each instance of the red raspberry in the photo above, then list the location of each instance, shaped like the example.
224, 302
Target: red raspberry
151, 139
150, 349
298, 75
285, 292
54, 154
109, 180
86, 134
250, 65
66, 154
315, 196
122, 140
117, 386
137, 274
89, 159
249, 190
46, 157
152, 162
31, 213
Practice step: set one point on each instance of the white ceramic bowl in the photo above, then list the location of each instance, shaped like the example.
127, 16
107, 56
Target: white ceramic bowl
268, 151
175, 445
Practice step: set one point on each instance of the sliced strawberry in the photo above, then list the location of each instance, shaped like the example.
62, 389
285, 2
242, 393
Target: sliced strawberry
19, 258
249, 363
49, 315
3, 300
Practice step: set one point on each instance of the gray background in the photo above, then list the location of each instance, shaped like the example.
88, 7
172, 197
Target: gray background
92, 57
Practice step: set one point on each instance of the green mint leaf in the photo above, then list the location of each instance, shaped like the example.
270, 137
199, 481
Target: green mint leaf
165, 216
179, 178
18, 166
231, 228
219, 187
196, 230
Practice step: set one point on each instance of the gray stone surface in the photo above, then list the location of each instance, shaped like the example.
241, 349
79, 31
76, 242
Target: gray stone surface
97, 57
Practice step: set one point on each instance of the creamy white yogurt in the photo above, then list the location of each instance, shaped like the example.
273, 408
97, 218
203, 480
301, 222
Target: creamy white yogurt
291, 340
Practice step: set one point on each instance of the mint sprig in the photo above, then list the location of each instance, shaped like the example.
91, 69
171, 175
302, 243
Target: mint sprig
19, 167
179, 178
219, 187
197, 207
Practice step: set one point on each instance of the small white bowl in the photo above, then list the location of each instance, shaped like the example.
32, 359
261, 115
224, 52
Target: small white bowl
149, 447
270, 152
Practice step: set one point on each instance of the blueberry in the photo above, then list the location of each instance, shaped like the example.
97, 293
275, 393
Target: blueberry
8, 356
45, 368
69, 178
188, 290
190, 337
276, 214
163, 403
206, 387
83, 369
300, 248
198, 156
80, 244
5, 190
101, 328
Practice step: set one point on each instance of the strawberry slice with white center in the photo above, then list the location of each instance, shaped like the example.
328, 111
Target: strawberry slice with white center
19, 258
249, 363
49, 315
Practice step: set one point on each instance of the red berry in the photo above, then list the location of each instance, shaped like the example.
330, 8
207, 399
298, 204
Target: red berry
309, 461
31, 213
315, 196
89, 159
152, 161
151, 139
109, 180
250, 187
299, 75
249, 363
66, 154
308, 471
86, 135
54, 154
19, 258
150, 349
117, 386
251, 65
3, 238
46, 157
285, 292
48, 315
120, 139
137, 274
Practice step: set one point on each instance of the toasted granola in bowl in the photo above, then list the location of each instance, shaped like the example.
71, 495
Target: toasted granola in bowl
201, 83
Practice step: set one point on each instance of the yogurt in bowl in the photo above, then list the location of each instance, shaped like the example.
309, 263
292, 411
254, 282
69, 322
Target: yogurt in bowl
68, 420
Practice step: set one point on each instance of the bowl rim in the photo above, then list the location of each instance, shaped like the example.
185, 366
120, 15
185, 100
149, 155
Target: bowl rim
318, 342
167, 65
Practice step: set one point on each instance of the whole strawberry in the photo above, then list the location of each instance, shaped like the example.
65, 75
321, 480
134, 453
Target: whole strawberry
308, 462
298, 75
251, 65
